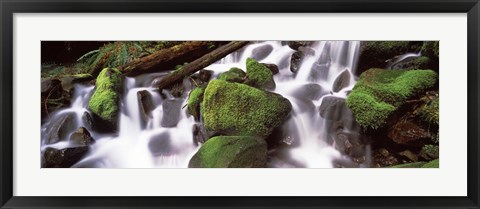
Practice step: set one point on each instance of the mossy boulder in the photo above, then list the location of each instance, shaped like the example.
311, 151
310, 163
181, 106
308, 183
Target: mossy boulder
259, 75
233, 75
380, 92
429, 112
374, 54
417, 63
239, 109
231, 152
194, 100
104, 101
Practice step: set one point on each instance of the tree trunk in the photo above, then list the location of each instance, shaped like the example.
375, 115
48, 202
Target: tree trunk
200, 63
162, 60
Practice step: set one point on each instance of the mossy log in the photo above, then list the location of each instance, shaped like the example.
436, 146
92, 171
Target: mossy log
164, 59
200, 63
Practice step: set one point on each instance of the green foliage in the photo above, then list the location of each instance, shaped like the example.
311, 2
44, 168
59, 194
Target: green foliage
238, 109
121, 52
431, 150
380, 92
231, 152
104, 101
432, 164
194, 100
431, 49
430, 111
259, 75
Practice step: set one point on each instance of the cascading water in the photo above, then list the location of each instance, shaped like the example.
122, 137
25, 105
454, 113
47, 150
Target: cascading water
155, 141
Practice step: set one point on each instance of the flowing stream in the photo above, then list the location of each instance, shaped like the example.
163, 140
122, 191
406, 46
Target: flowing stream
165, 139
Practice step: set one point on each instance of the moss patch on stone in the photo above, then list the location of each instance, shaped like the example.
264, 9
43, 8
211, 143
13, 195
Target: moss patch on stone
231, 152
431, 49
194, 100
233, 75
430, 111
259, 75
104, 101
238, 109
380, 92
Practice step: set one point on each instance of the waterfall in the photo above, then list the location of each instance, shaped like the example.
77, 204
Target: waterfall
325, 72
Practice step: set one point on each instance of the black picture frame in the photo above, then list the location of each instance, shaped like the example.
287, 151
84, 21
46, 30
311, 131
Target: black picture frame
9, 7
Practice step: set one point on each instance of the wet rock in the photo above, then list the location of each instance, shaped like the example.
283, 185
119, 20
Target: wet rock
295, 45
161, 145
310, 91
307, 51
235, 74
296, 61
68, 81
332, 108
198, 134
410, 155
349, 144
171, 112
342, 81
319, 71
205, 75
261, 52
63, 158
51, 88
59, 129
272, 67
87, 120
235, 152
430, 152
145, 105
82, 137
407, 132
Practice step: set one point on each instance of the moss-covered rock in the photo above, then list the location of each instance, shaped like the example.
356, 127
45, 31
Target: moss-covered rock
104, 101
238, 109
373, 54
259, 75
231, 152
233, 75
430, 111
380, 92
194, 100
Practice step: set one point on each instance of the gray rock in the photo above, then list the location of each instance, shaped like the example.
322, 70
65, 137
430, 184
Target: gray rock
171, 112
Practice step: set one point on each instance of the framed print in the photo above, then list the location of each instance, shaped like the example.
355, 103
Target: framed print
268, 104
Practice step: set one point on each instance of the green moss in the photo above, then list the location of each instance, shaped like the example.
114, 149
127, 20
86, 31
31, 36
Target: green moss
430, 111
238, 109
194, 100
104, 101
432, 164
233, 75
231, 152
410, 165
431, 49
259, 75
430, 150
379, 92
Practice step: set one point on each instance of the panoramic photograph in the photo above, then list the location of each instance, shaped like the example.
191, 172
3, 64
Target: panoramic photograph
240, 104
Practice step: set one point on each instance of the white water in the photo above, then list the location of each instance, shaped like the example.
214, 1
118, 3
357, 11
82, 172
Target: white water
130, 147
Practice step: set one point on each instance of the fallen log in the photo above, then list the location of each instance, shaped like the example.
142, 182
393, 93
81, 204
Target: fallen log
200, 63
162, 60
